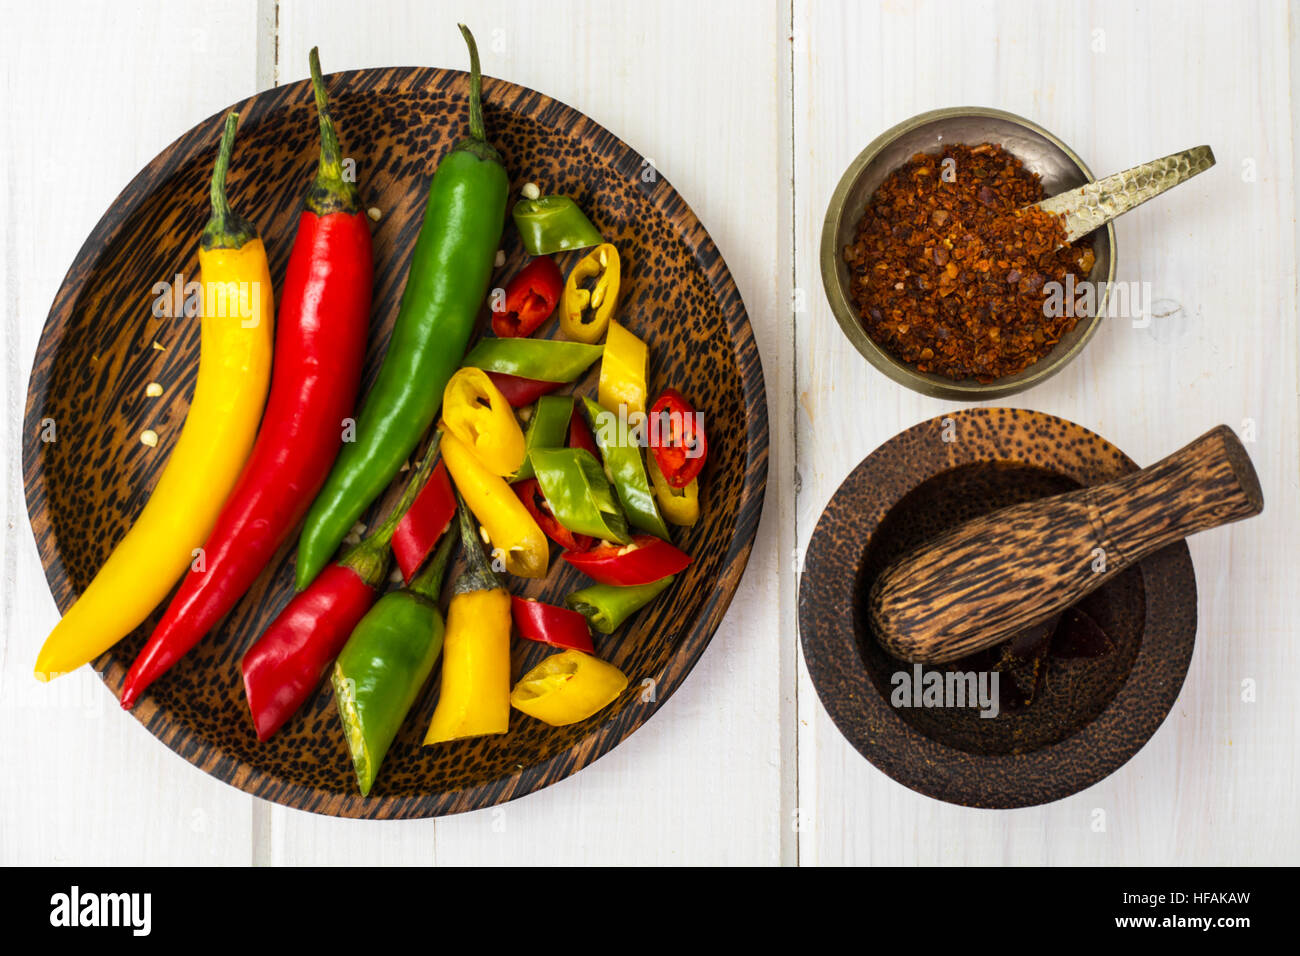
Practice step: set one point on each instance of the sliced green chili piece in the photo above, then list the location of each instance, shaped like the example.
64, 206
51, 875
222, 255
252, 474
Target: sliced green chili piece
553, 224
543, 360
578, 493
548, 428
606, 606
386, 661
624, 464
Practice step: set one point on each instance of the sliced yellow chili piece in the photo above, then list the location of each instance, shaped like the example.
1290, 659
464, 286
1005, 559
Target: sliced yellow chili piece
567, 687
587, 311
475, 411
509, 526
624, 370
475, 695
680, 506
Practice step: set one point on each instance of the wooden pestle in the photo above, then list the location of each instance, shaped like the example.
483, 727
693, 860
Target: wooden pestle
984, 581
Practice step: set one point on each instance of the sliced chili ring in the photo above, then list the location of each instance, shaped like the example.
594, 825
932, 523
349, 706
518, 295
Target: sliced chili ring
580, 435
548, 624
521, 391
530, 299
429, 516
530, 493
645, 560
677, 438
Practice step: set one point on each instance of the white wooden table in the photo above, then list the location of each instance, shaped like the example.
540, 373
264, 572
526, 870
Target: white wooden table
752, 110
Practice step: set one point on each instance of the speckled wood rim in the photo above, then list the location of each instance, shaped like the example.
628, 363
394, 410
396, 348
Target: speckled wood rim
695, 639
867, 720
833, 279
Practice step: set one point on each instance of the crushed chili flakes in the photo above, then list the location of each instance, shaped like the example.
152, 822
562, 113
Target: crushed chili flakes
948, 266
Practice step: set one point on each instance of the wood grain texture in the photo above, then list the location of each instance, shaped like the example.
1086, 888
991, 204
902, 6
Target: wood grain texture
985, 581
1219, 256
96, 356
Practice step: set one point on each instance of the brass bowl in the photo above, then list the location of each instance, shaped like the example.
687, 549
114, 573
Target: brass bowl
1057, 164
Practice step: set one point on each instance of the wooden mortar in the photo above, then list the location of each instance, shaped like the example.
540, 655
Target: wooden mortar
993, 577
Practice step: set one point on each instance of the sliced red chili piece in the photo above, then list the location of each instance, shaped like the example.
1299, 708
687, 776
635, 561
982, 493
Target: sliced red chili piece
521, 391
645, 560
429, 516
548, 624
580, 435
677, 439
531, 298
530, 493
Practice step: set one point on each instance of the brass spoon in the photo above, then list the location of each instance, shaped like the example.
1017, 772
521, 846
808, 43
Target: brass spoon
1095, 204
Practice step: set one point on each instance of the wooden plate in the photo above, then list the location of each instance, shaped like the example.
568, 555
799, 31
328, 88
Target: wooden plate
1090, 715
96, 355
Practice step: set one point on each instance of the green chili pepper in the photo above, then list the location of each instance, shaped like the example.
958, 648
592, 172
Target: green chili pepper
578, 493
448, 279
386, 661
548, 428
624, 464
553, 224
606, 606
544, 360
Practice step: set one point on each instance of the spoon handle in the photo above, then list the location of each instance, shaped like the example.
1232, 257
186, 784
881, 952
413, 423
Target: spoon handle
1095, 204
990, 578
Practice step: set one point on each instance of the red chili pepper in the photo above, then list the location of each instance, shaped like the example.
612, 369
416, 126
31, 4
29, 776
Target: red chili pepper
520, 391
645, 560
530, 493
424, 523
531, 298
580, 435
677, 438
548, 624
319, 349
286, 664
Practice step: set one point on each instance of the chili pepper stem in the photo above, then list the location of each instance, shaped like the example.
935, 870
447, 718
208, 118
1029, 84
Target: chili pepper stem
478, 576
330, 192
371, 557
226, 229
428, 583
477, 143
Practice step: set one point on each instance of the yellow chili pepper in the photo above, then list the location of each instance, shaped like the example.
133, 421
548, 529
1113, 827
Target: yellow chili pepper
475, 411
587, 311
510, 528
567, 687
475, 696
624, 370
234, 374
681, 506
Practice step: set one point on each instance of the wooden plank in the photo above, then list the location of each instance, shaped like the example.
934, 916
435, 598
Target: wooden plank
92, 96
697, 91
1122, 85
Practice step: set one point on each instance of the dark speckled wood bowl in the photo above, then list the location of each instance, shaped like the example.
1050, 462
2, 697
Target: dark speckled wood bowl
95, 358
1090, 714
